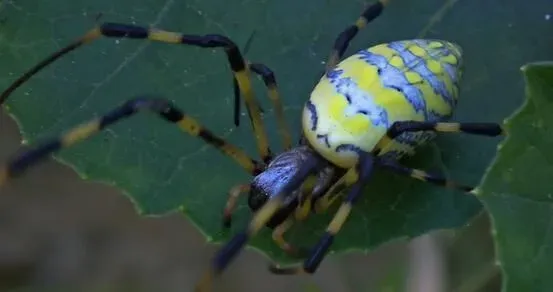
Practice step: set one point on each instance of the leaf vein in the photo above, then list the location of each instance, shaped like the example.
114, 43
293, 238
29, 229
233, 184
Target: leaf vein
436, 17
119, 68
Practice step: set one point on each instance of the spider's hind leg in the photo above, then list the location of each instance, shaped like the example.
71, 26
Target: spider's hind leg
370, 13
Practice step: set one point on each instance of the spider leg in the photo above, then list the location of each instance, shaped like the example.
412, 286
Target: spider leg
118, 30
164, 108
356, 177
270, 81
232, 248
422, 175
322, 203
238, 105
484, 129
234, 194
301, 212
278, 238
344, 38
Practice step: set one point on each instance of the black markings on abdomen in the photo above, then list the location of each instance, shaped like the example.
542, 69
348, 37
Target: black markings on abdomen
324, 137
348, 147
348, 97
314, 117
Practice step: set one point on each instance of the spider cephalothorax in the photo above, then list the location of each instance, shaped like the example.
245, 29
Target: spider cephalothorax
280, 171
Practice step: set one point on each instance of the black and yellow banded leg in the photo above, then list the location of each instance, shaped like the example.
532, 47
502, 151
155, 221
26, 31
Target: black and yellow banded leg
303, 210
422, 175
226, 254
233, 247
270, 81
483, 129
363, 171
322, 203
164, 108
119, 30
234, 194
238, 104
344, 38
90, 36
278, 238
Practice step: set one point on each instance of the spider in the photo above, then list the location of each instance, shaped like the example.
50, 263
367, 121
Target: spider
366, 111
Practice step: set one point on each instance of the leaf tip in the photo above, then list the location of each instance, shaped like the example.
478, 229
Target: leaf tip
476, 191
537, 64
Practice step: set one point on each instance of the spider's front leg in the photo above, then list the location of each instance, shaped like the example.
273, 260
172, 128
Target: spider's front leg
228, 252
312, 186
280, 240
356, 177
269, 79
237, 63
162, 107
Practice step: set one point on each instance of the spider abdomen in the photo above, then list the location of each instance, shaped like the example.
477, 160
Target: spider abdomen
355, 103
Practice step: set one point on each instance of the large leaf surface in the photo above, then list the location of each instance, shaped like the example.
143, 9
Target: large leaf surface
517, 189
162, 169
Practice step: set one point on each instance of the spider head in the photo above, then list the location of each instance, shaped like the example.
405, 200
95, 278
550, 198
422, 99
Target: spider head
277, 175
257, 197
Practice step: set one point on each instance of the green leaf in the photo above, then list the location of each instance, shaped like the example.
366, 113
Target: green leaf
161, 169
517, 189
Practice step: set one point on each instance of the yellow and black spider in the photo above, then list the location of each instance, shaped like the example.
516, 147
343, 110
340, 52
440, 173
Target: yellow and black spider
366, 111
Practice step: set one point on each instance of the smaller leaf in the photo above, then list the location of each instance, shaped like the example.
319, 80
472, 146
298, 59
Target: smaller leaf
517, 188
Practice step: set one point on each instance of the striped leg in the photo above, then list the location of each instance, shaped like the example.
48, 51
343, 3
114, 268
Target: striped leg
278, 238
270, 81
301, 212
362, 171
484, 129
422, 175
238, 105
117, 30
322, 203
345, 37
234, 194
231, 249
162, 107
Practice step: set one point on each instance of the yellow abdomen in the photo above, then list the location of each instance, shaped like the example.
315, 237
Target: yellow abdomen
354, 104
